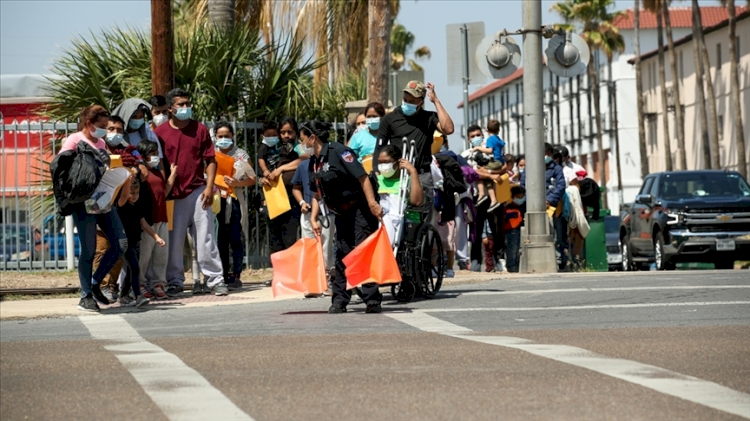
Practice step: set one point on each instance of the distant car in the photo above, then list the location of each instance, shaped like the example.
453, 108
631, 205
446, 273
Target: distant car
54, 237
612, 230
21, 243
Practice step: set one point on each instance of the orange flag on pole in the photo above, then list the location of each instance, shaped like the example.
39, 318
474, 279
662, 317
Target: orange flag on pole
372, 261
299, 269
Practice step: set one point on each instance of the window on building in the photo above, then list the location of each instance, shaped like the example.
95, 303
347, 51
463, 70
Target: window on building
651, 120
720, 124
718, 56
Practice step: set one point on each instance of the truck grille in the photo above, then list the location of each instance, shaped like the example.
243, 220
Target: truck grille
720, 227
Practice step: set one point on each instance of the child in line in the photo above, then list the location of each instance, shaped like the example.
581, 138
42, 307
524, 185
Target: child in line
389, 183
488, 244
152, 260
494, 146
514, 212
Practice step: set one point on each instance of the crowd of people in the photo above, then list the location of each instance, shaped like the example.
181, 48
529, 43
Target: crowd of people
338, 192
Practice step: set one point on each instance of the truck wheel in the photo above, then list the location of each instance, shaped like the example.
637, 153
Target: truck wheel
659, 256
724, 264
627, 257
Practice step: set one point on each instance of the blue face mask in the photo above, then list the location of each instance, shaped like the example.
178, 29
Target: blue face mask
408, 109
224, 143
520, 201
547, 159
477, 141
271, 140
98, 132
373, 123
135, 123
184, 113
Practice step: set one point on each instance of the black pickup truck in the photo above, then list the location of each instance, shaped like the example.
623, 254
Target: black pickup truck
687, 216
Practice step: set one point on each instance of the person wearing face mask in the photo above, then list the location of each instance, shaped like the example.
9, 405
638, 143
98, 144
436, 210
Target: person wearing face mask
389, 183
159, 113
188, 145
276, 159
152, 259
514, 213
413, 122
233, 215
341, 182
93, 123
363, 142
134, 111
520, 167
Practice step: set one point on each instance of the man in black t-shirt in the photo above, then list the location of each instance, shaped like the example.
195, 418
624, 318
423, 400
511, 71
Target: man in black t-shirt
412, 121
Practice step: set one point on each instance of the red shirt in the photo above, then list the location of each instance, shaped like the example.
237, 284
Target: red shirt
156, 183
188, 148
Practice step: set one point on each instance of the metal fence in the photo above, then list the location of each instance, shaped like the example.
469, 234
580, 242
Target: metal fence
32, 234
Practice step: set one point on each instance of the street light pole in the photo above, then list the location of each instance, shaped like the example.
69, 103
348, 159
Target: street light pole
466, 79
538, 252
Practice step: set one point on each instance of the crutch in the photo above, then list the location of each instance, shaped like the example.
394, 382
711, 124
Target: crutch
403, 191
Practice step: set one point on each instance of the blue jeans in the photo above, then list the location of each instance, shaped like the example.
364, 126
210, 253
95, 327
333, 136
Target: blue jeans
513, 252
560, 225
111, 226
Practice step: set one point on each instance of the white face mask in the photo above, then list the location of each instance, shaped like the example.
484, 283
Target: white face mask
160, 119
153, 161
386, 170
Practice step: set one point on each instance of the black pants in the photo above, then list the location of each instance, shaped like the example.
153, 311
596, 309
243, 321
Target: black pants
352, 227
230, 236
284, 230
495, 220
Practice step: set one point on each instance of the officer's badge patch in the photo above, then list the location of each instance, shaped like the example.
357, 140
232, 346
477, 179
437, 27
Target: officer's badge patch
347, 157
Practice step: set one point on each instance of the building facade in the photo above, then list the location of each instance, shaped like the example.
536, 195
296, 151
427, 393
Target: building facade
569, 107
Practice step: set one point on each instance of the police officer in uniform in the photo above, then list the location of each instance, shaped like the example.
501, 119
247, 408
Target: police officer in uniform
340, 181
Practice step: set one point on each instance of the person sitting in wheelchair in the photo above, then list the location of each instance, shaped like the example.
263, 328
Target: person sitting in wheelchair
389, 183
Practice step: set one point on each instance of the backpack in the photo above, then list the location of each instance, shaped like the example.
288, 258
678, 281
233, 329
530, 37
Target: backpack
75, 175
590, 195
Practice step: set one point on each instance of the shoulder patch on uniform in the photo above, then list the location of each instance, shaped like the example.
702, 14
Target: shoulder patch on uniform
347, 157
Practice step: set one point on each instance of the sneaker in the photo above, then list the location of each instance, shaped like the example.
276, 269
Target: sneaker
267, 283
146, 293
481, 200
88, 304
159, 293
126, 301
334, 309
197, 288
449, 273
107, 292
234, 283
494, 207
373, 307
96, 291
174, 290
141, 300
220, 289
463, 265
500, 267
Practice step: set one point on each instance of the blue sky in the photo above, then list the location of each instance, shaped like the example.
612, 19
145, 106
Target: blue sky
33, 33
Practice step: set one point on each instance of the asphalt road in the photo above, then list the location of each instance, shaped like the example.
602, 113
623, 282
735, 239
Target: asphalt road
651, 346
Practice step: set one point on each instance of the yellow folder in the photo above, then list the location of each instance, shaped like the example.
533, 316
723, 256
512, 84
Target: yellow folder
224, 167
367, 163
277, 200
502, 189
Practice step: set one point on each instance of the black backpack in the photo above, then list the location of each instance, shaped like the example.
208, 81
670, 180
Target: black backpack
75, 175
590, 195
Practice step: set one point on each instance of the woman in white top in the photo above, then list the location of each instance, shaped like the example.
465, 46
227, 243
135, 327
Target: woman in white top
389, 183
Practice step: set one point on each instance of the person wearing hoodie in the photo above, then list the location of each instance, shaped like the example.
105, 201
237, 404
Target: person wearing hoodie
133, 111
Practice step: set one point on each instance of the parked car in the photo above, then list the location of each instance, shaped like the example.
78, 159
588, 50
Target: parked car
612, 231
21, 243
54, 236
687, 216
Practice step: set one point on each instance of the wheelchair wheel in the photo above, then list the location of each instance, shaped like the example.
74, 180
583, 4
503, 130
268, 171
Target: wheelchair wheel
429, 261
403, 292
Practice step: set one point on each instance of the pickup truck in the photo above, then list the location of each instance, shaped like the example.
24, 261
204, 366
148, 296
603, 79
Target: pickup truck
687, 216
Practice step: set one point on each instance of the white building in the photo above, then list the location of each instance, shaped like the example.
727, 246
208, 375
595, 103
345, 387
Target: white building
568, 107
717, 44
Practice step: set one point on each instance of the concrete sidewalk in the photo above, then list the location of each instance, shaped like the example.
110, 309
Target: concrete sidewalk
249, 294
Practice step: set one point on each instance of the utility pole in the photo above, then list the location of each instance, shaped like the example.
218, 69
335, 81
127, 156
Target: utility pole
538, 250
466, 80
162, 47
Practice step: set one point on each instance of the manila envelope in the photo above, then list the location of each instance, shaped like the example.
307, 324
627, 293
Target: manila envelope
367, 163
170, 214
502, 189
277, 200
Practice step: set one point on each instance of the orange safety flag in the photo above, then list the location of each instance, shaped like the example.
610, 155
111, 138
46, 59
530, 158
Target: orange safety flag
224, 167
277, 200
372, 261
367, 163
300, 269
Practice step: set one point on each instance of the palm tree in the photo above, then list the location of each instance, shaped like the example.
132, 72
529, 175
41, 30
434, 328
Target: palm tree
739, 133
221, 13
639, 91
714, 126
595, 20
679, 116
701, 93
379, 42
656, 6
401, 42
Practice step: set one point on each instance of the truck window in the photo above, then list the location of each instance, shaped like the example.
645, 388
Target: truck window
698, 184
646, 188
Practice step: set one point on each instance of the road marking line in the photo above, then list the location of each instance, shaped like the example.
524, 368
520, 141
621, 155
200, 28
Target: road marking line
179, 391
589, 307
548, 291
679, 385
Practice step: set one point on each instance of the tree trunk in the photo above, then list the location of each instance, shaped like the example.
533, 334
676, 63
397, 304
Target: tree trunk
221, 13
714, 126
379, 39
663, 83
701, 93
676, 78
642, 149
162, 47
739, 133
594, 78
